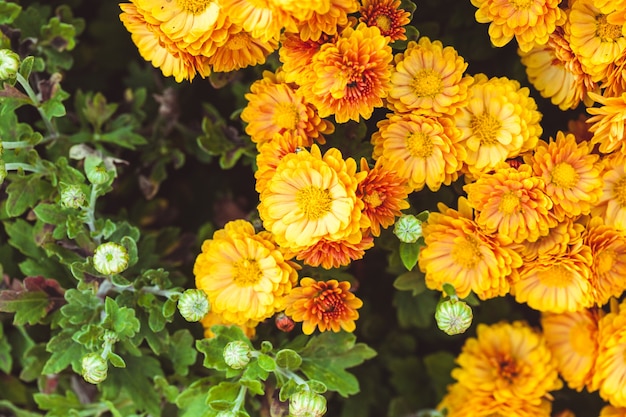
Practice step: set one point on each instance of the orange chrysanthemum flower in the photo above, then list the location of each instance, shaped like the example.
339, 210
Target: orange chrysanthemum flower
557, 284
512, 203
608, 249
595, 41
425, 151
350, 77
384, 194
311, 197
507, 362
387, 16
297, 54
500, 122
241, 50
531, 22
556, 72
270, 154
323, 21
608, 123
326, 305
459, 253
572, 339
610, 371
571, 174
566, 233
262, 19
335, 253
610, 411
612, 204
155, 46
274, 107
245, 275
428, 79
615, 83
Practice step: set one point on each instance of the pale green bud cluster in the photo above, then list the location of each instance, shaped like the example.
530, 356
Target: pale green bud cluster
9, 64
193, 305
72, 196
408, 228
453, 316
237, 354
307, 404
110, 258
94, 368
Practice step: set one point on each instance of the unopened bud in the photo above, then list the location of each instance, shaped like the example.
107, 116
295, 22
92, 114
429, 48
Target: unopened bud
193, 305
9, 64
110, 258
453, 316
73, 196
284, 322
237, 354
408, 228
307, 404
95, 170
94, 368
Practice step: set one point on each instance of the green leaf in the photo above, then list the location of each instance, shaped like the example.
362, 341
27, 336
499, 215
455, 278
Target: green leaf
4, 404
411, 281
266, 362
182, 352
24, 192
26, 66
288, 359
418, 311
124, 137
116, 360
223, 395
21, 237
326, 357
65, 351
254, 385
121, 320
409, 253
58, 34
33, 361
288, 389
51, 213
439, 366
97, 111
81, 307
58, 405
29, 306
131, 247
8, 12
6, 361
213, 348
54, 107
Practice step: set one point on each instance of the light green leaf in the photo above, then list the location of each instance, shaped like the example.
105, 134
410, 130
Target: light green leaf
51, 213
213, 348
288, 359
121, 320
5, 404
24, 192
266, 362
65, 351
411, 281
8, 12
29, 306
58, 405
181, 351
409, 253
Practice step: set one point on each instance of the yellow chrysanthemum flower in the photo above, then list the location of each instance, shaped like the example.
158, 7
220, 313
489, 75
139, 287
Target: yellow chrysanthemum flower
595, 41
274, 107
612, 204
572, 339
531, 22
566, 233
608, 123
245, 275
350, 77
459, 253
512, 203
155, 46
507, 362
387, 16
270, 154
556, 72
557, 284
615, 83
311, 197
326, 305
212, 319
262, 19
610, 411
610, 371
572, 174
608, 249
241, 50
325, 21
426, 151
428, 79
499, 122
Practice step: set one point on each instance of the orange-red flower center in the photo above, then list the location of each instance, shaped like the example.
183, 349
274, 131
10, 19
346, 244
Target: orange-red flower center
507, 368
329, 305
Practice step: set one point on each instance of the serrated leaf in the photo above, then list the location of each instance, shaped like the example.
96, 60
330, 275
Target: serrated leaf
254, 385
181, 351
213, 348
254, 371
288, 359
29, 306
8, 12
81, 306
266, 362
287, 390
65, 352
124, 137
411, 281
51, 213
24, 192
6, 361
409, 253
58, 405
121, 320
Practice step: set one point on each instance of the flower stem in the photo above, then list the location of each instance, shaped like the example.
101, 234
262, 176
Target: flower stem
37, 103
14, 166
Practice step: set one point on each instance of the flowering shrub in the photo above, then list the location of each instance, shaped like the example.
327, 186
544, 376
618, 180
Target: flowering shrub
343, 207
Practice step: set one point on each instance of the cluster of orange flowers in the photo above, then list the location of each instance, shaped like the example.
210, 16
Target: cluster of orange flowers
543, 220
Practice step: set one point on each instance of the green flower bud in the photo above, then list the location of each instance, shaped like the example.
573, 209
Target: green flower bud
110, 258
408, 228
95, 170
193, 305
9, 64
237, 354
94, 368
307, 404
453, 316
73, 196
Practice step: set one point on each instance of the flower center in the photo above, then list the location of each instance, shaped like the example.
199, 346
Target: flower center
510, 203
419, 145
556, 276
619, 191
607, 31
507, 368
373, 199
384, 23
247, 272
427, 83
521, 4
238, 41
579, 339
604, 261
194, 6
330, 306
486, 127
467, 253
313, 201
286, 116
564, 175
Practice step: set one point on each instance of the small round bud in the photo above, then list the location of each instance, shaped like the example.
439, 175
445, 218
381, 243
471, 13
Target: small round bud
307, 404
94, 368
9, 64
453, 316
284, 322
95, 170
193, 305
408, 228
237, 354
73, 197
110, 258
